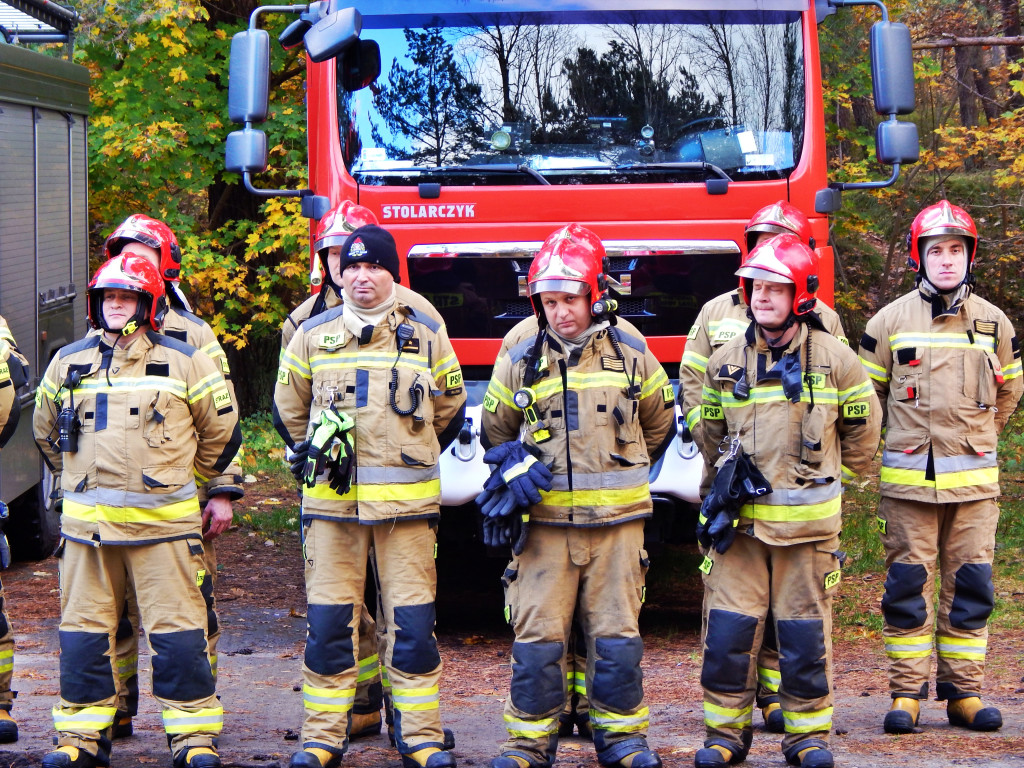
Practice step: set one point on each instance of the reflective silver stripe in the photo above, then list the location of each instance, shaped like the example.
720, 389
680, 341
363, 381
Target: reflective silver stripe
965, 462
137, 500
402, 475
594, 481
800, 497
900, 460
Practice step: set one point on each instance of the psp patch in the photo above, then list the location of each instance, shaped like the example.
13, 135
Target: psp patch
833, 578
815, 380
668, 394
882, 525
694, 330
200, 577
857, 410
490, 402
282, 376
706, 565
329, 340
712, 412
453, 380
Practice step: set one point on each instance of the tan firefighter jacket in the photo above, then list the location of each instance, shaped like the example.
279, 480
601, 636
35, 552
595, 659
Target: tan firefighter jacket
601, 420
13, 376
805, 449
720, 320
396, 472
948, 384
156, 419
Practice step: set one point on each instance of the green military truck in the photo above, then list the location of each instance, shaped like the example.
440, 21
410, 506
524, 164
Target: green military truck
44, 255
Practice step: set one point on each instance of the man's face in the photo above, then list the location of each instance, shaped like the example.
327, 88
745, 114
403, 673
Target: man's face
367, 284
152, 255
119, 307
566, 313
945, 263
771, 303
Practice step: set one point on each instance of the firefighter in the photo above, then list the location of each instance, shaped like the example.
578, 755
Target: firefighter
332, 231
13, 376
132, 419
368, 395
721, 319
585, 392
946, 366
156, 242
795, 402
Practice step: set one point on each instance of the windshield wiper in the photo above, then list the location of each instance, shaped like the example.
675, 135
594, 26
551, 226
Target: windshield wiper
496, 168
706, 167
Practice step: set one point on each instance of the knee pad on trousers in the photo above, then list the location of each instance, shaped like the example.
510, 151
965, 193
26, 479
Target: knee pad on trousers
329, 648
903, 605
206, 589
181, 668
973, 596
728, 644
537, 682
802, 657
618, 681
86, 674
415, 651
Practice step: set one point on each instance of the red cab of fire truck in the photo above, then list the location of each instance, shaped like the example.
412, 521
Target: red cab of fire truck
474, 128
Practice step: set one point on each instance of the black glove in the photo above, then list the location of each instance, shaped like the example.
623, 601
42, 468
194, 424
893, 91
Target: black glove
520, 529
496, 532
297, 458
722, 530
339, 470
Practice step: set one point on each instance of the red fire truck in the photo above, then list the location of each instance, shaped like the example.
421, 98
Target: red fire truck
474, 128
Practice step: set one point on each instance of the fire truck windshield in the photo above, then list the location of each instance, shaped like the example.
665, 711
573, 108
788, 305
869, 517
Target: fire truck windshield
577, 93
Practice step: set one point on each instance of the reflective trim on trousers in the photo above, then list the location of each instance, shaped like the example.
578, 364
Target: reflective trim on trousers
616, 723
908, 647
808, 722
724, 717
328, 699
85, 719
7, 660
769, 678
577, 682
531, 729
972, 648
415, 699
202, 721
368, 668
128, 666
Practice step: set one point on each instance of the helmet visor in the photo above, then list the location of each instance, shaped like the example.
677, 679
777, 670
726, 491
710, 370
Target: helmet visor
574, 287
756, 273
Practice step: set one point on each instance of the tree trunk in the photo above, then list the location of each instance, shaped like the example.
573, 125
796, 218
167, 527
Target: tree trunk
1011, 28
966, 71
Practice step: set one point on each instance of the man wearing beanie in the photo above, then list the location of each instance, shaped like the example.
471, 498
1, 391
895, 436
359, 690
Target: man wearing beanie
368, 395
946, 366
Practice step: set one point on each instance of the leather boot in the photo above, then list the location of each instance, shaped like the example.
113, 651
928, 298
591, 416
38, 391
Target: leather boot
69, 757
970, 713
363, 725
197, 757
123, 726
902, 716
714, 756
429, 757
774, 721
815, 757
314, 758
8, 727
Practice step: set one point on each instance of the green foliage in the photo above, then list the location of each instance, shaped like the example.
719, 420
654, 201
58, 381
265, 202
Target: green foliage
264, 450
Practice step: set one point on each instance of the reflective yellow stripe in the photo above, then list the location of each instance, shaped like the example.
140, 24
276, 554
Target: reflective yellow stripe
971, 648
695, 361
368, 668
908, 647
654, 384
808, 722
98, 512
616, 723
530, 729
328, 699
943, 481
415, 699
608, 497
427, 489
502, 393
801, 513
724, 717
1012, 371
209, 720
84, 719
127, 666
769, 678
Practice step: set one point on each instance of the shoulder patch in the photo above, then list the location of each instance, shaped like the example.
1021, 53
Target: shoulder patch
629, 339
694, 330
490, 402
986, 327
282, 377
870, 343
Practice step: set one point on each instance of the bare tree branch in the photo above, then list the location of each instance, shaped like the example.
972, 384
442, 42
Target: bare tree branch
954, 41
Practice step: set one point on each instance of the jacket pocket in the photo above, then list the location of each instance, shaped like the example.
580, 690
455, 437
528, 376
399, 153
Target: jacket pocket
982, 442
980, 368
166, 478
906, 442
416, 455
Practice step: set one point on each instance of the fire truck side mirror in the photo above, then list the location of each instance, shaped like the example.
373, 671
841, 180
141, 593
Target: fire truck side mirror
249, 76
897, 142
246, 151
892, 68
334, 33
359, 66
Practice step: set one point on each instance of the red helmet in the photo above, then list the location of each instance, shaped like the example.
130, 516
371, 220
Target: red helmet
942, 218
783, 259
157, 235
778, 218
129, 273
570, 260
335, 227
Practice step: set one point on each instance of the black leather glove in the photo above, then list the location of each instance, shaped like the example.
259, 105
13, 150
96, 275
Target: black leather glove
339, 469
297, 458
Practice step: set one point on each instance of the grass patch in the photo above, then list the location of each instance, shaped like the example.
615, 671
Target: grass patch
270, 506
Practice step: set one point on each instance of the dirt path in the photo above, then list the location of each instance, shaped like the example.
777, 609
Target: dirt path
262, 606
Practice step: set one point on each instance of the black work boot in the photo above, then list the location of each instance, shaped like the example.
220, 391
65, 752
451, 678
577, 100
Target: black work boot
314, 758
197, 757
814, 757
714, 756
123, 725
8, 728
970, 713
774, 720
69, 757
